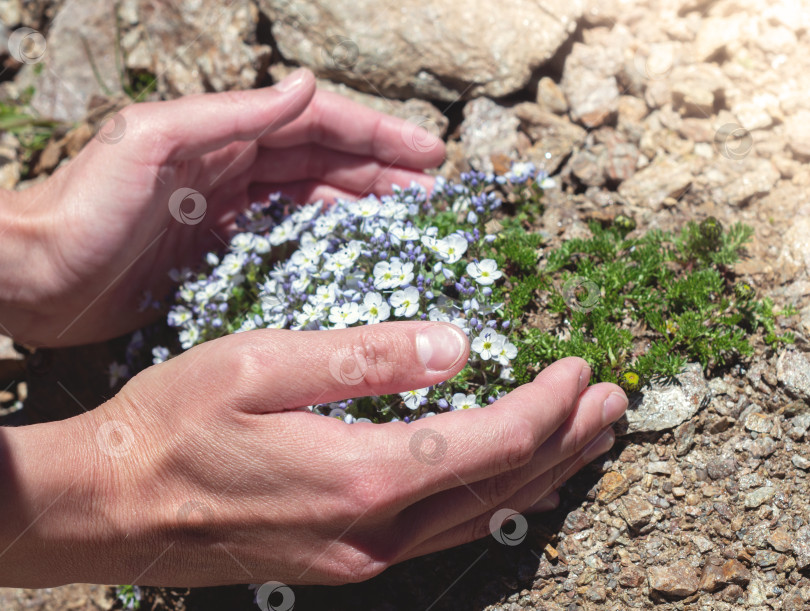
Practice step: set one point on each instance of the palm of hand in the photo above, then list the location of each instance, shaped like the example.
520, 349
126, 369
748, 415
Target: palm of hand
118, 219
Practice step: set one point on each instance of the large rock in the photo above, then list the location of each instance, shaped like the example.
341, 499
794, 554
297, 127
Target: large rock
441, 50
197, 46
79, 61
793, 372
662, 179
589, 83
666, 405
487, 130
677, 580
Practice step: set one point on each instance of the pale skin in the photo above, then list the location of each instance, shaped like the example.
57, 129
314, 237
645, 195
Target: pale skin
203, 470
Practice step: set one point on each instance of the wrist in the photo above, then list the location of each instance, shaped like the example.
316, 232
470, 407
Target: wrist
25, 238
55, 504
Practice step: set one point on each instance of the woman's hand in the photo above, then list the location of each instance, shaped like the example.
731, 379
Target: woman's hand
203, 470
162, 183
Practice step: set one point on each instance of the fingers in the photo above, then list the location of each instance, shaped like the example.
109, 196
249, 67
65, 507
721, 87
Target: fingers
354, 173
483, 443
581, 434
192, 126
338, 123
274, 370
537, 496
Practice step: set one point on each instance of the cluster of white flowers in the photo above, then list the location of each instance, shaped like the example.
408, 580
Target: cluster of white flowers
363, 262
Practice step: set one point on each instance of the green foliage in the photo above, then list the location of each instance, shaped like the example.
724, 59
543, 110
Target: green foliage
32, 132
634, 308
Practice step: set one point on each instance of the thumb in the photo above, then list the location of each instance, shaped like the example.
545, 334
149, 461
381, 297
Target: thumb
192, 126
278, 370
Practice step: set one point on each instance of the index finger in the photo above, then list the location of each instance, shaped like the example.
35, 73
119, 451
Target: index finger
337, 122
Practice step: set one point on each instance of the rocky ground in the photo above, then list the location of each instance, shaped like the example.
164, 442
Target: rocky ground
667, 110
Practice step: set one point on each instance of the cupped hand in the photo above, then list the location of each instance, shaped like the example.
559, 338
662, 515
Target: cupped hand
163, 182
204, 470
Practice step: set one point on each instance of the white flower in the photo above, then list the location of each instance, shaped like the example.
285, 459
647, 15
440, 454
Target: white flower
488, 344
325, 296
179, 316
436, 315
284, 232
405, 302
403, 274
462, 204
393, 274
413, 398
401, 233
307, 213
484, 272
521, 171
366, 207
188, 337
507, 353
325, 225
374, 309
231, 265
242, 242
452, 248
305, 259
309, 313
506, 374
344, 315
117, 372
462, 401
431, 242
300, 284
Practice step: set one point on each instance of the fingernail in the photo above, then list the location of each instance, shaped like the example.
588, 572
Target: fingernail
291, 81
440, 346
614, 407
584, 378
601, 444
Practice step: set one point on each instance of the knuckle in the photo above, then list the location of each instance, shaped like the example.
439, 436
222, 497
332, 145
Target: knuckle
519, 444
374, 350
498, 489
